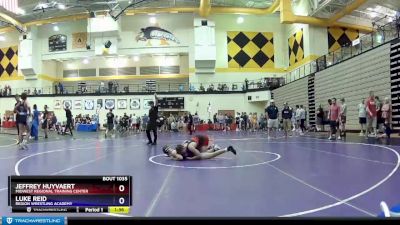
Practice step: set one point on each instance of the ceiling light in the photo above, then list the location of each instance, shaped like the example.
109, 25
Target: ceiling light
20, 11
373, 14
85, 61
2, 38
56, 28
240, 20
136, 58
153, 20
369, 9
61, 6
390, 19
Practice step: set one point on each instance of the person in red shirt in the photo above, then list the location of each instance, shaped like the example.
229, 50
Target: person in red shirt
370, 105
334, 111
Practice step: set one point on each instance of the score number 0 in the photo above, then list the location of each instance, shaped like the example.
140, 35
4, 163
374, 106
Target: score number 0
121, 200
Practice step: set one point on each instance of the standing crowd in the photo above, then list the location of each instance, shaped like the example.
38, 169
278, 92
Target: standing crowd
375, 117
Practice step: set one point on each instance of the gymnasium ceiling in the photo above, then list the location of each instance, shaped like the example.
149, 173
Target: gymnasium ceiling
81, 6
379, 11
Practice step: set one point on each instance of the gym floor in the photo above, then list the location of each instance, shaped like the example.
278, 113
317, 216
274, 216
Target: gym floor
300, 176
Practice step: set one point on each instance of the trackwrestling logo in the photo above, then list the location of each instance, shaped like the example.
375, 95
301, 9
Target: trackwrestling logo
33, 220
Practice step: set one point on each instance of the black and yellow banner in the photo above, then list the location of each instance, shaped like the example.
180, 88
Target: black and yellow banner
250, 49
8, 62
339, 37
296, 47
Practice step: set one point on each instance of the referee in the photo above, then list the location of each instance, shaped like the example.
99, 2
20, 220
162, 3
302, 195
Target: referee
68, 114
152, 124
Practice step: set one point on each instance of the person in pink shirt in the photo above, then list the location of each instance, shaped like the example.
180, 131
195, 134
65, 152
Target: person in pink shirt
334, 111
370, 105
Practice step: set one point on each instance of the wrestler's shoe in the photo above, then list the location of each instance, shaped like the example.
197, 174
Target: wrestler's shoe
165, 149
231, 149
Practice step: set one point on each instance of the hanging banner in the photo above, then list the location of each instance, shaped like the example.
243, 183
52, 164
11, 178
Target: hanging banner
79, 40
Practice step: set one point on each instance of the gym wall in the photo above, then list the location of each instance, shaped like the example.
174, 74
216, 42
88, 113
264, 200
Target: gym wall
193, 103
295, 93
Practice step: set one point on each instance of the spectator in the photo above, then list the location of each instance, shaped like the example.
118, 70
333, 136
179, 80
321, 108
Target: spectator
170, 120
334, 118
302, 117
297, 117
134, 122
215, 120
35, 91
265, 83
371, 114
387, 116
272, 115
174, 127
287, 118
45, 123
362, 116
56, 89
190, 124
210, 88
237, 120
246, 83
110, 86
61, 88
320, 118
196, 121
202, 88
219, 88
102, 88
35, 123
145, 120
245, 121
379, 120
191, 87
234, 87
116, 86
342, 118
221, 121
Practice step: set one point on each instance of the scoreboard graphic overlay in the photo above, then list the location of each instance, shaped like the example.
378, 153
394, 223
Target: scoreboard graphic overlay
70, 194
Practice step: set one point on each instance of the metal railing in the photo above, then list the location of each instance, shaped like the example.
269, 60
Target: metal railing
382, 35
69, 89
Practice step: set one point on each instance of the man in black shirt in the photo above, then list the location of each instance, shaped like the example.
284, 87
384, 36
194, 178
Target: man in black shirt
68, 114
152, 124
110, 122
245, 120
287, 118
190, 123
271, 113
45, 124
